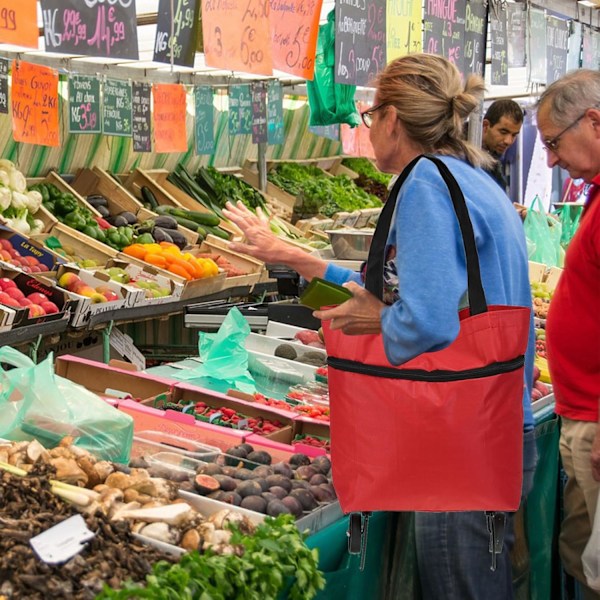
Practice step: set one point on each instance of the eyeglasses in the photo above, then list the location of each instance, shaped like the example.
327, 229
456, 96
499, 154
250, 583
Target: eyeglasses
552, 143
367, 115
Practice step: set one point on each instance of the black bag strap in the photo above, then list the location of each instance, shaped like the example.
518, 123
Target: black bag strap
376, 260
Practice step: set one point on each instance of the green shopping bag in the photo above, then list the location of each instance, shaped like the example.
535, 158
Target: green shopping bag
37, 403
569, 216
543, 233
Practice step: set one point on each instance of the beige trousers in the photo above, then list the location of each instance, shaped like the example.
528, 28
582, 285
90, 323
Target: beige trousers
580, 497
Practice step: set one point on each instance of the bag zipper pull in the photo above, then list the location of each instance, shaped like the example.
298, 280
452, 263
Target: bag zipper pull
495, 525
358, 532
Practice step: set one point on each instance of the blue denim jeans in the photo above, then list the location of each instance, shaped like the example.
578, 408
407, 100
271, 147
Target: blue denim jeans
453, 549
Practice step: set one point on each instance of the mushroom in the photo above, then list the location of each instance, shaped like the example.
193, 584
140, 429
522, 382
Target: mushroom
36, 451
162, 532
191, 540
118, 480
68, 470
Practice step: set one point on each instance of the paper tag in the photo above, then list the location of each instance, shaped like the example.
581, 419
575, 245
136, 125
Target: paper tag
242, 424
215, 416
124, 345
63, 541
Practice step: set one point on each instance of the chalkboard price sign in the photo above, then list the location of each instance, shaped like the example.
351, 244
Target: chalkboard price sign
3, 86
176, 34
574, 51
536, 63
204, 119
259, 113
84, 104
516, 19
116, 113
360, 40
141, 121
499, 47
245, 108
275, 113
557, 43
591, 49
475, 36
92, 28
444, 26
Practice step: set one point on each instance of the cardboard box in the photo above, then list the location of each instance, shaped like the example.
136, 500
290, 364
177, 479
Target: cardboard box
189, 394
304, 426
252, 268
26, 248
29, 284
75, 243
128, 296
116, 384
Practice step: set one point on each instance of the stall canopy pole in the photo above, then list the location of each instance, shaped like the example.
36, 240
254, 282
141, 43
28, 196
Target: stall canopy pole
262, 166
475, 124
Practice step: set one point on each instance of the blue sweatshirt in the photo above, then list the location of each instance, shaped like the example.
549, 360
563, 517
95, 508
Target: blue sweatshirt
431, 266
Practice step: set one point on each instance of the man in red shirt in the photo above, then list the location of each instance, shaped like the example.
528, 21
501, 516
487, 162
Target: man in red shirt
568, 119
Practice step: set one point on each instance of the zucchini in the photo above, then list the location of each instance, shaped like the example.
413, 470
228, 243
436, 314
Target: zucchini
163, 209
203, 218
149, 197
192, 225
216, 231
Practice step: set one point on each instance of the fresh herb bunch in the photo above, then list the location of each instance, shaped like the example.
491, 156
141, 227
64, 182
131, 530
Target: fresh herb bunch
363, 166
273, 557
227, 187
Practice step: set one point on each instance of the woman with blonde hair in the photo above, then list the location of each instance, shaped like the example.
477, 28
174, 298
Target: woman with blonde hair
420, 107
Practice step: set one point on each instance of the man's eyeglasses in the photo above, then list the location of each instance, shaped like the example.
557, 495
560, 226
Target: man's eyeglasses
552, 143
367, 115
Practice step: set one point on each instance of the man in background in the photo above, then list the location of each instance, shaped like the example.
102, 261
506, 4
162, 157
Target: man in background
501, 125
568, 120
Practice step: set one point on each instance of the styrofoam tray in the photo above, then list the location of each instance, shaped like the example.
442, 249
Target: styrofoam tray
267, 345
305, 372
282, 330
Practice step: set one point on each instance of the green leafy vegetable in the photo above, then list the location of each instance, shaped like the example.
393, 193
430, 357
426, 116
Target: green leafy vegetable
370, 178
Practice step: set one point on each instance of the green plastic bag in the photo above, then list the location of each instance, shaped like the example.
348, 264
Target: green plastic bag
37, 403
329, 102
224, 357
569, 216
543, 233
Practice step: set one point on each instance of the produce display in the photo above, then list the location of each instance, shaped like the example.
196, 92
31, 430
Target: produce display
222, 263
169, 257
370, 178
314, 440
317, 359
37, 303
540, 382
28, 264
301, 400
320, 193
542, 296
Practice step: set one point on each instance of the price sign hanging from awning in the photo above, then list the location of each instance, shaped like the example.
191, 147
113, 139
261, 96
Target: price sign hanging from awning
18, 23
177, 33
169, 117
92, 28
84, 104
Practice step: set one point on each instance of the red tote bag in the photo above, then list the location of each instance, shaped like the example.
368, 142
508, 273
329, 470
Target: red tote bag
443, 431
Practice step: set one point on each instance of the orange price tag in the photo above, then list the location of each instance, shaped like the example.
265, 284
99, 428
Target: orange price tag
34, 104
18, 23
294, 29
169, 117
237, 35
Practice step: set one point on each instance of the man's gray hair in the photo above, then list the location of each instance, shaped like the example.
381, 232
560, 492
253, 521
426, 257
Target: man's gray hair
571, 95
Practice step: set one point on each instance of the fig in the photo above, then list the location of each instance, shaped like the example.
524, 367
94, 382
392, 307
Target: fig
228, 484
244, 474
298, 460
280, 481
232, 498
247, 447
268, 496
263, 471
294, 505
187, 486
218, 495
321, 464
300, 484
279, 492
229, 471
249, 488
305, 472
317, 479
321, 494
277, 507
209, 469
282, 468
306, 499
329, 487
263, 483
205, 484
234, 455
255, 503
260, 456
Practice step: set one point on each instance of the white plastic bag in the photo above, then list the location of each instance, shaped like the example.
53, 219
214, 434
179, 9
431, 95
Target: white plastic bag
591, 555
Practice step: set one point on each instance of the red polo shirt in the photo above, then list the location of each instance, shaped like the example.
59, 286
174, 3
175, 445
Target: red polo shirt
573, 325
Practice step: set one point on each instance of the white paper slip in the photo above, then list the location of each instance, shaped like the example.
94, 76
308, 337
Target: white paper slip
63, 541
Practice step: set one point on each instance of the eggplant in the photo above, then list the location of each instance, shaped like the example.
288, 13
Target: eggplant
176, 237
97, 200
104, 212
160, 235
119, 221
165, 222
131, 218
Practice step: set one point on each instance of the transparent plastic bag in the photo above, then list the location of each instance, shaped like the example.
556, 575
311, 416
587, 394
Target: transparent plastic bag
544, 232
37, 403
591, 555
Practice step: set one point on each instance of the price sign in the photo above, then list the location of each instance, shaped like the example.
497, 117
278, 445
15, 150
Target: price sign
294, 29
360, 42
591, 44
116, 110
204, 119
169, 117
574, 52
141, 124
34, 104
536, 63
444, 30
237, 35
516, 23
275, 113
403, 28
475, 37
18, 23
3, 86
177, 34
499, 47
245, 108
93, 27
331, 132
557, 43
259, 112
84, 104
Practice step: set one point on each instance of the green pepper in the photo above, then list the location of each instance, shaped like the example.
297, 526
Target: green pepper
64, 205
74, 220
145, 238
53, 191
49, 206
113, 236
101, 236
128, 233
91, 231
